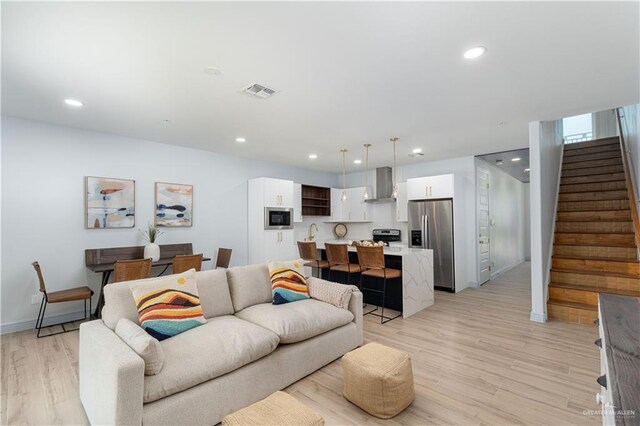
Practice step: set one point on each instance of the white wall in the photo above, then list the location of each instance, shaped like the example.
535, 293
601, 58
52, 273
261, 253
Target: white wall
545, 153
464, 211
631, 131
508, 213
43, 167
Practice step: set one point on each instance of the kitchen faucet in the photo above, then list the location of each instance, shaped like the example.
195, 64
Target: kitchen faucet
311, 236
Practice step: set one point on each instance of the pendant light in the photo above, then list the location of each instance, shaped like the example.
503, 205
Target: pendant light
394, 194
365, 196
344, 174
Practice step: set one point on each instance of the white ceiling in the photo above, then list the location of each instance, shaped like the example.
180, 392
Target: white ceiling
349, 73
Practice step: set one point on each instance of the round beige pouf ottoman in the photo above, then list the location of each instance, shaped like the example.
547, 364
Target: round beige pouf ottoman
378, 379
279, 408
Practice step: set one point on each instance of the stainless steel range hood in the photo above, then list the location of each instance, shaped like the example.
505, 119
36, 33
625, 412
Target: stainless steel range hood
383, 186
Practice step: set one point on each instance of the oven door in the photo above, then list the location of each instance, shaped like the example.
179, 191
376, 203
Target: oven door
278, 218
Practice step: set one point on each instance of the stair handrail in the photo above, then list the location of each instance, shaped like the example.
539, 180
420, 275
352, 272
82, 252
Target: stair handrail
631, 185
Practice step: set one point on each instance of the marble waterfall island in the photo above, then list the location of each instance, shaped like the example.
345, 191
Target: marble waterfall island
417, 276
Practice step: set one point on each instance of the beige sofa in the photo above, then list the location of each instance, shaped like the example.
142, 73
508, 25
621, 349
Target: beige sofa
248, 349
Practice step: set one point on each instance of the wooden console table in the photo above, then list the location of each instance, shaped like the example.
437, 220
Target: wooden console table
102, 260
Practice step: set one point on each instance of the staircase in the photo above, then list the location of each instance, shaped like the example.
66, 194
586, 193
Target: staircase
594, 247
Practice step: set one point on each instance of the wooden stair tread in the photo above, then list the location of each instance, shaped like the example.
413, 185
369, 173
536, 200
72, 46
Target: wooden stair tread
608, 259
622, 215
621, 292
595, 232
595, 142
592, 272
572, 305
592, 172
573, 191
586, 156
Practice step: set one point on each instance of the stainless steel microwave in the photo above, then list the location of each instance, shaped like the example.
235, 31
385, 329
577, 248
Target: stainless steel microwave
278, 218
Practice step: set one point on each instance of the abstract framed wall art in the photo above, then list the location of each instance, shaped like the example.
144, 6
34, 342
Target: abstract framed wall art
174, 204
109, 202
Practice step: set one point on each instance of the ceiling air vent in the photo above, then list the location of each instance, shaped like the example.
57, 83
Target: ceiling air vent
259, 91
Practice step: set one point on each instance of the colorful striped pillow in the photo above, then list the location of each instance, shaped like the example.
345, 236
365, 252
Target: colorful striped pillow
287, 284
169, 305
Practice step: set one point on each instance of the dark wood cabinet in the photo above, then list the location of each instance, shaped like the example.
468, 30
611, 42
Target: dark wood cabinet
316, 201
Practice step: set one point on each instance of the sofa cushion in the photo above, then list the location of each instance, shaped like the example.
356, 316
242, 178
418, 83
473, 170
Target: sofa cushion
168, 306
249, 285
212, 288
295, 322
218, 347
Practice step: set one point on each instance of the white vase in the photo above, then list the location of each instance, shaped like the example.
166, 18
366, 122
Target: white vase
152, 250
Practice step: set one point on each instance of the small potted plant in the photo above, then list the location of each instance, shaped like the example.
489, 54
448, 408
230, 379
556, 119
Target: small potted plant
151, 235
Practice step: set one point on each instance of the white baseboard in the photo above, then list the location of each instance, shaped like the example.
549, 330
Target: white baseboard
536, 317
474, 284
30, 324
506, 268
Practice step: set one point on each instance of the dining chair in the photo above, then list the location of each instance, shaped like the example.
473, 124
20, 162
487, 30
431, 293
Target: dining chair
83, 293
371, 260
224, 258
182, 263
127, 270
309, 252
338, 259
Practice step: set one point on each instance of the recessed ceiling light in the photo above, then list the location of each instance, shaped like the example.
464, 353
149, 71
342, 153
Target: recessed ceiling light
241, 140
213, 71
313, 156
417, 150
357, 161
475, 52
516, 159
498, 162
165, 121
526, 170
73, 102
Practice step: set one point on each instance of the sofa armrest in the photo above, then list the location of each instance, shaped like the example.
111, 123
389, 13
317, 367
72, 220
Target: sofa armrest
355, 307
111, 377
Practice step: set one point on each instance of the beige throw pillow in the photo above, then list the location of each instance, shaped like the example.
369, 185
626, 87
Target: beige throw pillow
143, 344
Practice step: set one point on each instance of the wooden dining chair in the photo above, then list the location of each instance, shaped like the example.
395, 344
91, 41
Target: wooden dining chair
127, 270
309, 252
338, 259
224, 258
371, 260
182, 263
83, 293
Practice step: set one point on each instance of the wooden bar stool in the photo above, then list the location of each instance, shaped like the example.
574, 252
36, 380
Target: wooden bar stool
128, 270
371, 261
73, 294
309, 252
338, 258
224, 258
182, 263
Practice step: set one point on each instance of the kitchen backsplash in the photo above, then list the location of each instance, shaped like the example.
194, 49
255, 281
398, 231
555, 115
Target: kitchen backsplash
383, 217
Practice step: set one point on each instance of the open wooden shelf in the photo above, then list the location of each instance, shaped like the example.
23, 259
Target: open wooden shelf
316, 201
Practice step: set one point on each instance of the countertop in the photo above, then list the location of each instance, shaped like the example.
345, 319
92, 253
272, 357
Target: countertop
621, 327
395, 250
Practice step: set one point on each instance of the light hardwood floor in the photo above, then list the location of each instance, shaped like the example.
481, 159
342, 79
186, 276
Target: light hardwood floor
477, 359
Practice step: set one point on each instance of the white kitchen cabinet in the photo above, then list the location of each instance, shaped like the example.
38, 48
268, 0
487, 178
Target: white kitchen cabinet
297, 202
336, 205
278, 245
402, 213
353, 209
277, 192
358, 210
430, 187
267, 244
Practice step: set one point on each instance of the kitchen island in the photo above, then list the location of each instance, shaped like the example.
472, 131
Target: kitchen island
416, 292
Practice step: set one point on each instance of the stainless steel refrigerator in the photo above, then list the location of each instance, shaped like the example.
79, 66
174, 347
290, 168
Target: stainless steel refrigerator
431, 227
